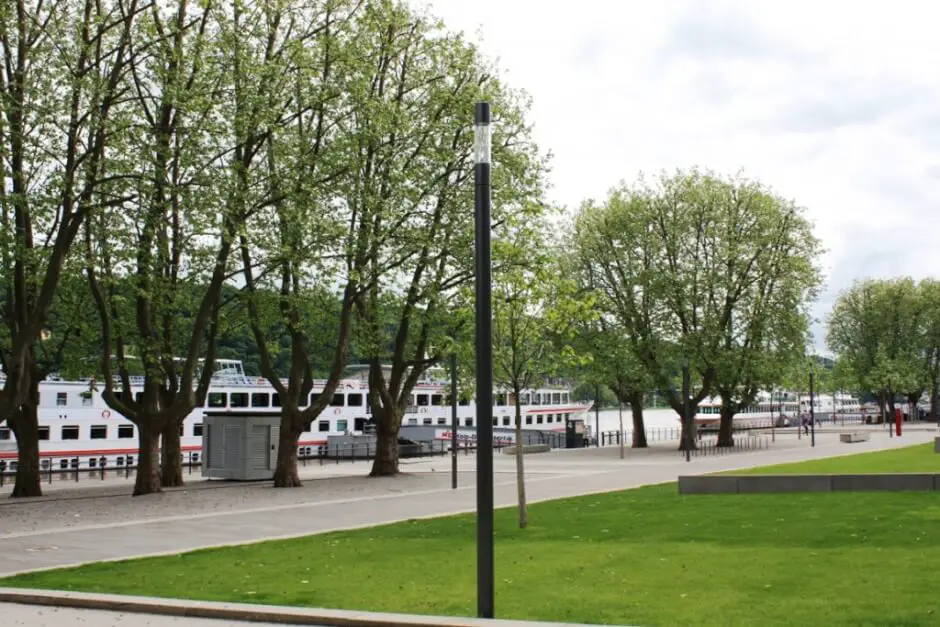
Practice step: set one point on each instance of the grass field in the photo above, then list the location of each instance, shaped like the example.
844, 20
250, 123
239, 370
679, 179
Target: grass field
920, 458
640, 557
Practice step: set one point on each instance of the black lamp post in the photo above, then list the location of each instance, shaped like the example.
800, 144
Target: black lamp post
453, 421
812, 406
484, 359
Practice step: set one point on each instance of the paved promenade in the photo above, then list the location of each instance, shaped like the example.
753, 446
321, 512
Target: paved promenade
107, 524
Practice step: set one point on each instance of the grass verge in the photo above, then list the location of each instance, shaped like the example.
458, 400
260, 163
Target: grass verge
640, 557
919, 458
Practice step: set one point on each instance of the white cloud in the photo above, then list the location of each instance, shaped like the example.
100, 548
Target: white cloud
834, 104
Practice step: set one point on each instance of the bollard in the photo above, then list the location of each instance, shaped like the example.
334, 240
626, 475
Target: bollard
102, 462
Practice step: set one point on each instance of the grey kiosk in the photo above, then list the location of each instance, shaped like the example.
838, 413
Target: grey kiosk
574, 433
239, 445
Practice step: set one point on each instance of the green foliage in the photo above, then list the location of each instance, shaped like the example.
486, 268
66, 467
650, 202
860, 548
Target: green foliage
700, 270
886, 334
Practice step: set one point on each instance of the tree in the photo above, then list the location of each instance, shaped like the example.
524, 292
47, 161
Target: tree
306, 225
534, 317
157, 260
63, 70
686, 265
877, 328
412, 171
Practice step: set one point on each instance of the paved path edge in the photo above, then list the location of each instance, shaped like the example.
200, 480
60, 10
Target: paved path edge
246, 612
306, 534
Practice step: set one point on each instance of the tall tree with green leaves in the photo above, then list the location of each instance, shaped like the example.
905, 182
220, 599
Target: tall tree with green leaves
412, 167
190, 175
61, 80
677, 263
306, 238
877, 327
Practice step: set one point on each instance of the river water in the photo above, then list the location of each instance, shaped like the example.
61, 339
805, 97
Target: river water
653, 419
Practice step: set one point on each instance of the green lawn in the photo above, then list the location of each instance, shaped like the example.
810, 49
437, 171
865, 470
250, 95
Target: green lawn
642, 557
920, 458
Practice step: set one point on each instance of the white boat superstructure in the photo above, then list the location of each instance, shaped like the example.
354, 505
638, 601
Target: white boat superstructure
780, 408
75, 422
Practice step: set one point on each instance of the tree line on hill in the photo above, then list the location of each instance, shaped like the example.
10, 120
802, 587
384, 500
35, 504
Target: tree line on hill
288, 183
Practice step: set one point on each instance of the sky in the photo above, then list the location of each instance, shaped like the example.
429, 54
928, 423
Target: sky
835, 105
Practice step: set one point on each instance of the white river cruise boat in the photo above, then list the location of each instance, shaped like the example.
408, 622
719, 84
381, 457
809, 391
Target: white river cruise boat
784, 409
75, 422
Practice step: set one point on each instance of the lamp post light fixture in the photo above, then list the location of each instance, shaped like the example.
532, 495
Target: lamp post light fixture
484, 361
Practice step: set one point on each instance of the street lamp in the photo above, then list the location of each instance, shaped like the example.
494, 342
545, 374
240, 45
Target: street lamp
484, 361
812, 404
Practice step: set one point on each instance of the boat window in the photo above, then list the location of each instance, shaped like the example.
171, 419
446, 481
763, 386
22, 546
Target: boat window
43, 433
537, 398
338, 401
92, 463
528, 420
70, 432
4, 433
564, 397
495, 421
524, 398
556, 398
216, 399
341, 425
354, 400
412, 421
63, 464
238, 399
197, 430
125, 431
422, 400
506, 421
442, 421
323, 425
426, 421
314, 397
275, 400
359, 424
468, 422
99, 432
437, 399
539, 419
260, 399
464, 402
61, 399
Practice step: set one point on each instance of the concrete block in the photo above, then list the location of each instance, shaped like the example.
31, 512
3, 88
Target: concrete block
527, 449
708, 484
897, 482
859, 436
784, 483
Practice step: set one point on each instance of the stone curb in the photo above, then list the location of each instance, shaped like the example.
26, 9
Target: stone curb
246, 612
768, 484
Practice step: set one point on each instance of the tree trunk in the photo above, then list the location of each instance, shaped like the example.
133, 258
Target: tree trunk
639, 427
171, 455
620, 438
520, 470
285, 471
25, 425
385, 463
687, 437
148, 454
934, 400
725, 425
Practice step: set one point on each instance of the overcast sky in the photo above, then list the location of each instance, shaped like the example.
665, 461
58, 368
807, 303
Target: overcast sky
834, 104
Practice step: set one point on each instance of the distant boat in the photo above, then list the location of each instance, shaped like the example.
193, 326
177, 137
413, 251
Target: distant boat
75, 422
